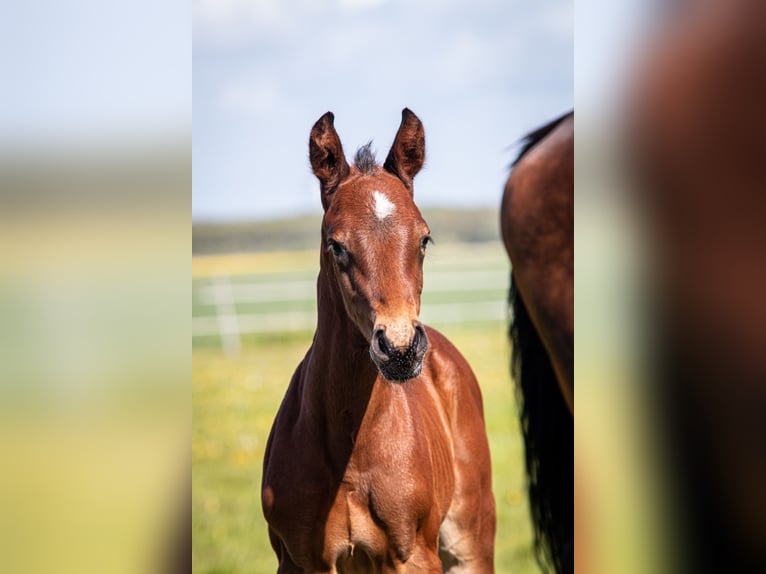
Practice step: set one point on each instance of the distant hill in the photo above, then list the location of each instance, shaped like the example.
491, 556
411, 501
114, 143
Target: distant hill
447, 225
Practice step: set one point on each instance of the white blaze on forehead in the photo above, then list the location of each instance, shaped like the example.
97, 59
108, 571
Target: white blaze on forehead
381, 205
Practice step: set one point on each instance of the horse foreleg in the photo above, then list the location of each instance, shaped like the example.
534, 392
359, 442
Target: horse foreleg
466, 537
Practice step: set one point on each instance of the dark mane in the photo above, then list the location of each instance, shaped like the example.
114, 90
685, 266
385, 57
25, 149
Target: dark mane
364, 160
533, 138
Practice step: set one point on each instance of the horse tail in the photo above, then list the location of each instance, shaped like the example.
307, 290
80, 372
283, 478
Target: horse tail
548, 430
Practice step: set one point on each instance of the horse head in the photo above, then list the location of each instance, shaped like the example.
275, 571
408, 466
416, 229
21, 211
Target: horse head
374, 239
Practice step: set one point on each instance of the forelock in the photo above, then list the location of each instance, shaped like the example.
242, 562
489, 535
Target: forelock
364, 160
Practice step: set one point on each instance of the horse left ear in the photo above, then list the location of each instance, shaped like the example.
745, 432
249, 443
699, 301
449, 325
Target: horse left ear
408, 151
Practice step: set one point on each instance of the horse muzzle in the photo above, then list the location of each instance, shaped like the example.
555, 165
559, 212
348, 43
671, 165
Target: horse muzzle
399, 363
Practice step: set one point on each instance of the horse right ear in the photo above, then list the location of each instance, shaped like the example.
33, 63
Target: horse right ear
327, 159
409, 149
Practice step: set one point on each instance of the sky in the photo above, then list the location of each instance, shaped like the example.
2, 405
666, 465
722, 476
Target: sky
84, 72
248, 78
479, 74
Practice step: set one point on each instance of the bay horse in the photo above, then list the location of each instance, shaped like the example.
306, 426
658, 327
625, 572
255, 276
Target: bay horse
378, 459
537, 222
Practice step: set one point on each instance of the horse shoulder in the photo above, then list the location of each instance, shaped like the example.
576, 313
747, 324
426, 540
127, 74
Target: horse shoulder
472, 503
297, 474
287, 414
456, 383
452, 376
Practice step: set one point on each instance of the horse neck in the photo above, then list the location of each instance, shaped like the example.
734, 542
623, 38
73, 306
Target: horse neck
339, 374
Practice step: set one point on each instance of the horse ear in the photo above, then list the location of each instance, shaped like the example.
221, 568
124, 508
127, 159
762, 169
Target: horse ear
326, 155
408, 151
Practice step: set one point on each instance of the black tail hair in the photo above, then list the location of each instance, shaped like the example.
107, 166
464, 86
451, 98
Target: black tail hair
548, 430
533, 138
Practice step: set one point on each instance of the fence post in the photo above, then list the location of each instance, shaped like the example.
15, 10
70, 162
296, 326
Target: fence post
226, 313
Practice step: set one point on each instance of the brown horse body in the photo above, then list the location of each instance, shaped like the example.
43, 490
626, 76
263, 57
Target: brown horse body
378, 459
537, 220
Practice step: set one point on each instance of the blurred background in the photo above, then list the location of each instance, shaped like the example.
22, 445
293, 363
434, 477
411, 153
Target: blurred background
480, 75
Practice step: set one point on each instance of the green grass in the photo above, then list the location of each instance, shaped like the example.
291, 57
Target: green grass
234, 402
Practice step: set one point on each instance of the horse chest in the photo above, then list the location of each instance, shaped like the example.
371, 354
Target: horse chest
375, 516
373, 513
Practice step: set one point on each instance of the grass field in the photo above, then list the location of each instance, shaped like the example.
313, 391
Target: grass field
236, 395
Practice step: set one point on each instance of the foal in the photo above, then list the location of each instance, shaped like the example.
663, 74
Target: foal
378, 458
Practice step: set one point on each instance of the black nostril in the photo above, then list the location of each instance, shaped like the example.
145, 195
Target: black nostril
380, 343
419, 339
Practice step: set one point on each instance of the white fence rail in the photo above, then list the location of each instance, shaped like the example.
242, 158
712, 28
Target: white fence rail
487, 302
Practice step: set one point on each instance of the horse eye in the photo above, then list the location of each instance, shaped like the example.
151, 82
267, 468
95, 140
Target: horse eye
338, 251
424, 242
